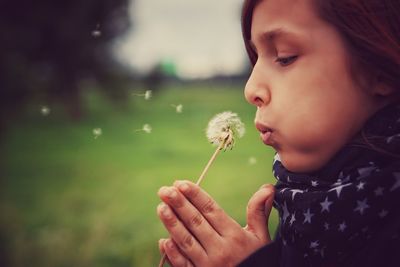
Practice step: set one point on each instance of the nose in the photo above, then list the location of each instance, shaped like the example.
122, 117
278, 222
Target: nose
256, 90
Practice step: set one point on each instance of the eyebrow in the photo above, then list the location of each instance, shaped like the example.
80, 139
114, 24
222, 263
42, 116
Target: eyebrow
272, 35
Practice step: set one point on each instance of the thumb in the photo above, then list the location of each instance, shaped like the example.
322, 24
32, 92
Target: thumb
258, 211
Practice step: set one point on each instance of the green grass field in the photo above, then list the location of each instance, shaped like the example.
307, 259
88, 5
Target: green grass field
68, 199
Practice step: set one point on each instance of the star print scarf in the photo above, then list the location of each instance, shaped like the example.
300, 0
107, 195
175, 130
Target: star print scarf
329, 215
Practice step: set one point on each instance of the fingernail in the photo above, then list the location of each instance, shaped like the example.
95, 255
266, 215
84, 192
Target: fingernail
184, 187
264, 186
162, 190
161, 206
165, 212
267, 187
170, 192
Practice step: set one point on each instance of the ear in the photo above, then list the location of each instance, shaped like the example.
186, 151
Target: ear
381, 89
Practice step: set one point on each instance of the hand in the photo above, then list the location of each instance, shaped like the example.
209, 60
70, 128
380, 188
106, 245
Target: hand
202, 234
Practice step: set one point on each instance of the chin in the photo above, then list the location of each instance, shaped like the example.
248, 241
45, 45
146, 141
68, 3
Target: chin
302, 163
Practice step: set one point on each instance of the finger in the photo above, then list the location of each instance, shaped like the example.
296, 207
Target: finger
214, 214
162, 252
182, 237
258, 211
175, 256
161, 245
190, 216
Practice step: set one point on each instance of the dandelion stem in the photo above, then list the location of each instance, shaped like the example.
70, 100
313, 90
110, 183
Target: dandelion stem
203, 174
162, 261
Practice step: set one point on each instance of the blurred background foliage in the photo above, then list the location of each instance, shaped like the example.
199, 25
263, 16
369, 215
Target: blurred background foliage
73, 196
50, 48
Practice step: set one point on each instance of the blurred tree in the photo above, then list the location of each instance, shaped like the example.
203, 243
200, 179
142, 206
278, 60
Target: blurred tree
161, 72
48, 47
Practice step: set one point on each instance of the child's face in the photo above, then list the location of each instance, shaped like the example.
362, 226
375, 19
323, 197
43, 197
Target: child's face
302, 85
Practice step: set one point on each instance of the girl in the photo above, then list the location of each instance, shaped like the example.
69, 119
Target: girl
325, 81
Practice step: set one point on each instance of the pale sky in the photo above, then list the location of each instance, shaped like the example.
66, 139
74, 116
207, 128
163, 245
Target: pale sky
202, 37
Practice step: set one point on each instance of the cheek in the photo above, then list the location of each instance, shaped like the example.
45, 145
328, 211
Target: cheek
309, 150
312, 135
309, 141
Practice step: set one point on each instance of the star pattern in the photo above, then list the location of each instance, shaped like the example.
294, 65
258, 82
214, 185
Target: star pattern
325, 213
342, 226
360, 186
397, 183
325, 205
307, 216
366, 170
296, 191
285, 212
391, 138
339, 188
314, 244
383, 213
361, 206
293, 218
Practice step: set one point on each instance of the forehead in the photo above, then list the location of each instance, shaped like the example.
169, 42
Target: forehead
292, 16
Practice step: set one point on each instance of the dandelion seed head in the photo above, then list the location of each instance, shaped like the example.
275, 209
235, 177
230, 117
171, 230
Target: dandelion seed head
45, 110
224, 128
97, 132
147, 94
147, 128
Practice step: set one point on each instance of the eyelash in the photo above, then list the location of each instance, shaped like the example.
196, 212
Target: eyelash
285, 61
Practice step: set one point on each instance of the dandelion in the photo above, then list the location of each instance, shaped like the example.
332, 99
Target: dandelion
45, 110
178, 108
252, 161
147, 94
146, 128
96, 32
97, 132
223, 127
222, 130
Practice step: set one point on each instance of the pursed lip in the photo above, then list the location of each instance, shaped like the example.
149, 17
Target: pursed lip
265, 133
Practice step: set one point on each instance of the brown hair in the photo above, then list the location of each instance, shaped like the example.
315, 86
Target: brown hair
371, 29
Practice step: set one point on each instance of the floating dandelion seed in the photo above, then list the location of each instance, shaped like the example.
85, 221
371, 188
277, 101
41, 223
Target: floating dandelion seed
96, 32
146, 128
178, 108
252, 161
45, 110
147, 94
222, 130
97, 132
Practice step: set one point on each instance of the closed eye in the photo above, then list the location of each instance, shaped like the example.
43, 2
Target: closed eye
285, 61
